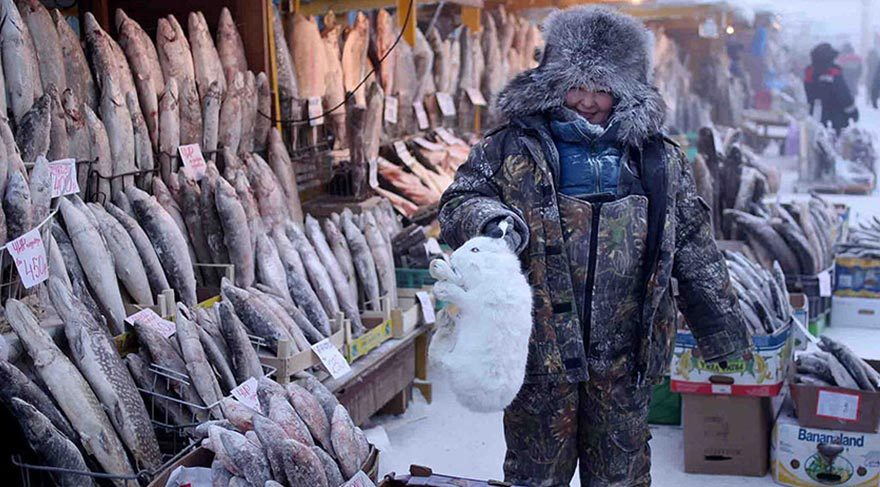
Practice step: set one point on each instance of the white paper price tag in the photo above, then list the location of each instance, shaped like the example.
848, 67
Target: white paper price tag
63, 177
446, 136
316, 111
373, 177
246, 393
825, 284
838, 405
330, 357
476, 97
427, 307
391, 109
30, 259
192, 157
149, 318
447, 105
360, 479
403, 153
433, 247
421, 115
427, 144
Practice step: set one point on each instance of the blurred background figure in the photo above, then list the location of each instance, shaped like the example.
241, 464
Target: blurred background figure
824, 82
851, 63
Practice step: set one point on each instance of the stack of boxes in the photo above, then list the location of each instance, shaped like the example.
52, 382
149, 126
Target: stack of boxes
856, 301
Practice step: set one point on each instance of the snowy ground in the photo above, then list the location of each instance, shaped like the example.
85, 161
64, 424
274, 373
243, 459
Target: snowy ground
453, 440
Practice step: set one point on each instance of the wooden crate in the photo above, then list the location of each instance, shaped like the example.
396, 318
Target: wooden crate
378, 325
287, 363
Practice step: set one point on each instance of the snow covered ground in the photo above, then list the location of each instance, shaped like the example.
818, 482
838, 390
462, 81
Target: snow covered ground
452, 440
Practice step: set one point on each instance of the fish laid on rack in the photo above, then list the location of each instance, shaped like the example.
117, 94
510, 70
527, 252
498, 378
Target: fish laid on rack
288, 91
34, 127
229, 134
270, 269
59, 144
364, 264
144, 60
15, 384
100, 146
267, 190
318, 276
129, 267
349, 444
197, 365
147, 254
279, 161
334, 94
19, 61
245, 362
345, 296
236, 234
254, 314
117, 121
249, 105
206, 61
211, 224
262, 122
143, 145
230, 47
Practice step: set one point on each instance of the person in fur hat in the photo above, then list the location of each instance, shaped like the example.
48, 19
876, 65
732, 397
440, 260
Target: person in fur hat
605, 216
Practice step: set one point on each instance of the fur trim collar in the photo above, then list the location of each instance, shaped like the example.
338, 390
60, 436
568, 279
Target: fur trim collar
597, 48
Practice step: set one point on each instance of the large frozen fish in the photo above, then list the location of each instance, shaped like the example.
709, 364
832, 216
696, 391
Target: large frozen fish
219, 359
331, 468
344, 294
97, 263
102, 167
249, 105
211, 224
76, 68
197, 365
117, 121
47, 44
34, 128
245, 362
230, 47
169, 129
280, 411
271, 436
169, 242
267, 190
343, 254
59, 143
761, 233
15, 384
236, 234
77, 134
279, 160
146, 252
249, 204
143, 146
270, 270
229, 135
280, 309
17, 206
40, 185
423, 58
206, 61
255, 315
129, 267
322, 284
144, 61
364, 264
381, 256
309, 409
75, 272
177, 62
304, 41
107, 58
302, 466
441, 59
211, 120
853, 363
19, 62
288, 91
335, 86
95, 354
70, 390
298, 284
349, 448
190, 204
354, 57
262, 123
247, 457
165, 406
385, 36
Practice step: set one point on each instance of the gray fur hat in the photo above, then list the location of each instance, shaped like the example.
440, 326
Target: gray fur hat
597, 48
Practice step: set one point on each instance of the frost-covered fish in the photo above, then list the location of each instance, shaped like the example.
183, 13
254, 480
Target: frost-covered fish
245, 362
17, 206
46, 42
267, 190
326, 398
219, 359
229, 135
349, 448
288, 91
75, 271
262, 123
247, 457
354, 57
302, 466
364, 264
34, 127
271, 435
76, 68
127, 261
853, 363
40, 185
309, 62
19, 62
236, 234
169, 129
146, 252
309, 409
190, 204
15, 384
249, 105
211, 119
144, 61
322, 284
59, 143
281, 165
343, 255
298, 285
283, 413
344, 294
117, 121
270, 270
143, 146
230, 47
100, 145
206, 61
211, 224
197, 366
254, 314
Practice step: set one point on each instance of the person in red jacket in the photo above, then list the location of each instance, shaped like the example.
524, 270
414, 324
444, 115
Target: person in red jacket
824, 81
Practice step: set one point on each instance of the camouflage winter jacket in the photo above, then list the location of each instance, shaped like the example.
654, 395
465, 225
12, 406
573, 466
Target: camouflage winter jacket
514, 171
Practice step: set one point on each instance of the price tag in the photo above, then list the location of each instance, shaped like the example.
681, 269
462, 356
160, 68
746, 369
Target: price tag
403, 153
360, 479
391, 109
427, 144
838, 405
476, 97
421, 115
333, 361
63, 177
316, 111
192, 157
30, 259
447, 105
427, 307
824, 284
149, 318
722, 389
446, 137
433, 247
373, 173
246, 393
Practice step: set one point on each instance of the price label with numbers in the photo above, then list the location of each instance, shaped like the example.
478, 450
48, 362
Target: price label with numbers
330, 357
63, 177
316, 111
427, 307
837, 405
29, 256
421, 115
246, 393
191, 156
151, 319
477, 98
447, 105
391, 109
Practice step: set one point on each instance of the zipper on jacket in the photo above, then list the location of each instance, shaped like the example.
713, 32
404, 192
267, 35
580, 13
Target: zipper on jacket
591, 277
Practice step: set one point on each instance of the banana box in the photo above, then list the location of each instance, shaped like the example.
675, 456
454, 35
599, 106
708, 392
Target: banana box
762, 376
807, 457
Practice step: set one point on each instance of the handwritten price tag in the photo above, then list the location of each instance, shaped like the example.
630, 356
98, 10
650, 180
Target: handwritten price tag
333, 361
824, 284
192, 157
447, 105
844, 407
477, 98
427, 307
391, 109
30, 259
246, 393
360, 479
149, 318
316, 111
421, 115
63, 177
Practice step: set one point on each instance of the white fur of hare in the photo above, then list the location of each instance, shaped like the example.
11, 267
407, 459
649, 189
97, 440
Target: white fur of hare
484, 348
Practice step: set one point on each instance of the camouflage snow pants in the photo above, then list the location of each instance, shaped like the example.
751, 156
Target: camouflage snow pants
549, 428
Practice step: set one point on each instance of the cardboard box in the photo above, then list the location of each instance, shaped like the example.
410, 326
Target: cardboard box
855, 312
837, 408
806, 457
856, 277
762, 376
726, 435
801, 312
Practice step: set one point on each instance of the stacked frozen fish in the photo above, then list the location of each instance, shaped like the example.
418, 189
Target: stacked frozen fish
300, 436
761, 293
834, 364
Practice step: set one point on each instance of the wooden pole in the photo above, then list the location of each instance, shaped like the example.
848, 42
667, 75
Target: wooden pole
407, 23
470, 17
273, 65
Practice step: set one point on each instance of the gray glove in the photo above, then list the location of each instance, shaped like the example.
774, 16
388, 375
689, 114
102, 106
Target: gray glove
512, 237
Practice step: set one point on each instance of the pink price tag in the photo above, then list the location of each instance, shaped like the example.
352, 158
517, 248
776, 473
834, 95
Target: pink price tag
192, 157
477, 98
447, 105
63, 177
151, 319
331, 358
391, 109
29, 256
246, 393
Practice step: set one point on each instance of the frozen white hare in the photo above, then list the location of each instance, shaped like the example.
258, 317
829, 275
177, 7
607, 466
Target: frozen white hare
486, 345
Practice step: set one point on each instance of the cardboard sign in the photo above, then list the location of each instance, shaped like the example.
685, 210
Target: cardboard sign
391, 109
476, 97
373, 177
360, 479
149, 318
316, 111
427, 144
824, 284
331, 358
246, 393
30, 259
421, 115
427, 307
63, 177
447, 105
838, 405
192, 157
